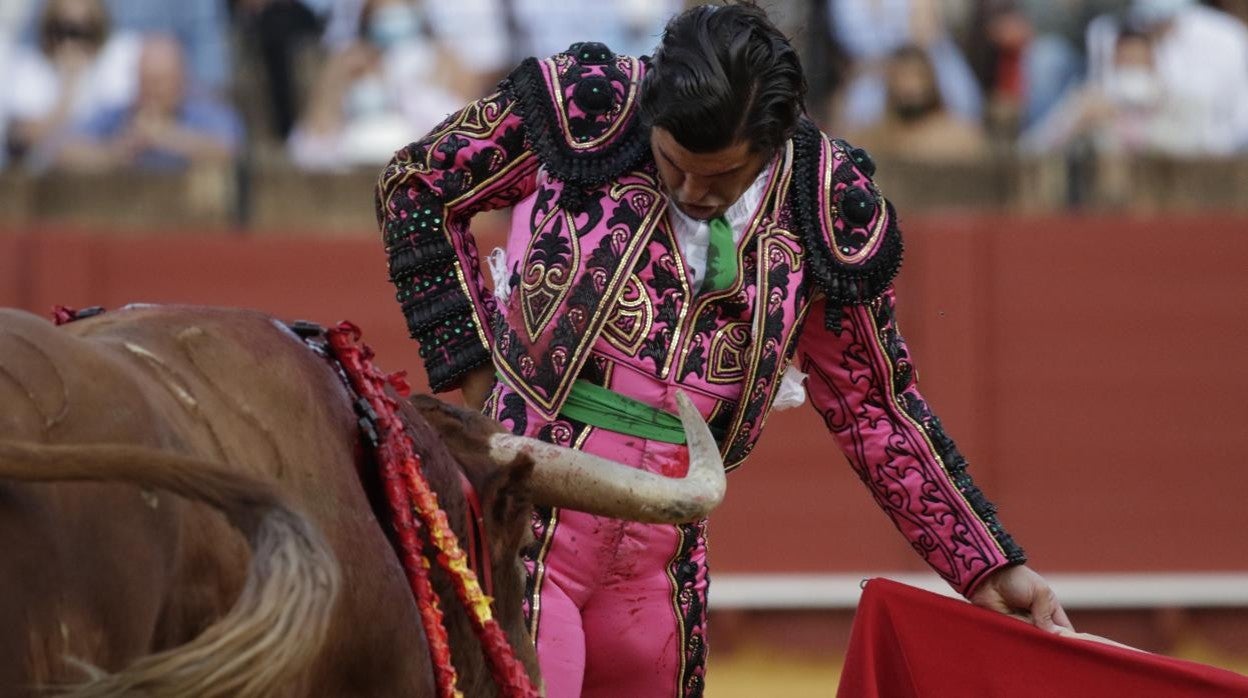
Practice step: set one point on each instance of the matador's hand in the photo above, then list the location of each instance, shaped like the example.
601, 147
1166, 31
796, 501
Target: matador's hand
1018, 591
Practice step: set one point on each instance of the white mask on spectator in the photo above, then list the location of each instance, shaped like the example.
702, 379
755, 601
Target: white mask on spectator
1134, 87
367, 97
392, 25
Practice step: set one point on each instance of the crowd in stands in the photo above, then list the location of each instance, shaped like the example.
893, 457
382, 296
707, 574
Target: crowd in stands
929, 82
332, 85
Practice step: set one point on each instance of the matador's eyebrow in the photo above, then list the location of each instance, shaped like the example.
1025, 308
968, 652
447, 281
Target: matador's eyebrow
658, 148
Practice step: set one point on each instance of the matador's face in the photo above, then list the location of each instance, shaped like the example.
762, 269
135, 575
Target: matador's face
704, 185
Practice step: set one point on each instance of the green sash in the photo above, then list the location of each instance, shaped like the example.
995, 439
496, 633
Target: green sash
605, 408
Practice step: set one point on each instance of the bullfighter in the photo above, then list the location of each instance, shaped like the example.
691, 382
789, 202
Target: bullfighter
677, 223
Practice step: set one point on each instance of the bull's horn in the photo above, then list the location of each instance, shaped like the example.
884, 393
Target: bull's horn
572, 479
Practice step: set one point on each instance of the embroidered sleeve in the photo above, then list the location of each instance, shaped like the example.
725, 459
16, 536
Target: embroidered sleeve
476, 160
862, 382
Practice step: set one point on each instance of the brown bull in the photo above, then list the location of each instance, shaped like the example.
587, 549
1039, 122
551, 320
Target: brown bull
229, 425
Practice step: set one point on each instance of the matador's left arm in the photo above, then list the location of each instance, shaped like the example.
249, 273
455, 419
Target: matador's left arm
863, 384
862, 379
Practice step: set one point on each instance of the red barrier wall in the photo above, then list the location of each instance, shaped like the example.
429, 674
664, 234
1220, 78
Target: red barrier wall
1090, 368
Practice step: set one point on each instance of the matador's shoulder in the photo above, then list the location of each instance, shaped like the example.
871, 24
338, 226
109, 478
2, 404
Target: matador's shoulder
849, 229
580, 112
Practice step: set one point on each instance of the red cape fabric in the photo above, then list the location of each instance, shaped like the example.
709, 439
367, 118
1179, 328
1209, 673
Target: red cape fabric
910, 643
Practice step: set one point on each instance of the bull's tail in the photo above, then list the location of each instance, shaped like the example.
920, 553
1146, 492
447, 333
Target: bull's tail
281, 618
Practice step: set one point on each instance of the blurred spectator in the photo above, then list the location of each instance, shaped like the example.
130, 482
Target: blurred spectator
917, 125
480, 34
1235, 8
869, 31
200, 25
477, 35
1024, 74
342, 21
1130, 110
488, 37
632, 27
1200, 58
479, 39
282, 36
14, 18
387, 87
79, 69
167, 128
4, 107
1068, 19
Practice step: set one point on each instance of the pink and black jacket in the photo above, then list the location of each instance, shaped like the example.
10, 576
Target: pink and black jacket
598, 290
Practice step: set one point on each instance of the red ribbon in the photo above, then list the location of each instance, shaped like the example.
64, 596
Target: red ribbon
408, 491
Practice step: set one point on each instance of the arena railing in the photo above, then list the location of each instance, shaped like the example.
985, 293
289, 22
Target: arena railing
279, 199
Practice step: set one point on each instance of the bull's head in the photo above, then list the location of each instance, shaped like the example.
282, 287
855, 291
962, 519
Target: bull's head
571, 479
576, 480
511, 473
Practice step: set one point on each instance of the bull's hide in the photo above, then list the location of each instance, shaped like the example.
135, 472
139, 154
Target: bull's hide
106, 573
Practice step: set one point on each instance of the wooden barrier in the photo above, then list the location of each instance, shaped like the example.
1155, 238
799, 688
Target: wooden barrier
1089, 367
275, 199
135, 202
915, 185
284, 200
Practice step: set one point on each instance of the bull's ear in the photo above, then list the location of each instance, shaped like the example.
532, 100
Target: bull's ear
443, 415
509, 502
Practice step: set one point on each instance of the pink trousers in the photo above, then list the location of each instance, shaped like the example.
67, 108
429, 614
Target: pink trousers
619, 608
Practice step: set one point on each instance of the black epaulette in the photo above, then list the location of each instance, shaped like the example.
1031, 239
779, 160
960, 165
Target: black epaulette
580, 113
853, 244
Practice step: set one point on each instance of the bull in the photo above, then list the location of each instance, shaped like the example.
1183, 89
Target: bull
181, 513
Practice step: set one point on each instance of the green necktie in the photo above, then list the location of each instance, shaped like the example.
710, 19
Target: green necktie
721, 257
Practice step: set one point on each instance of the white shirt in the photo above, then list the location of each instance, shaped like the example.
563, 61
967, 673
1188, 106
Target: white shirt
1204, 62
694, 236
110, 81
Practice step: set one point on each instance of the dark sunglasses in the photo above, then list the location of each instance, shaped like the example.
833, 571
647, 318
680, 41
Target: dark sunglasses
69, 31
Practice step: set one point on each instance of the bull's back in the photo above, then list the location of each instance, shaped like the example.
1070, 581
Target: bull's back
113, 572
249, 393
86, 566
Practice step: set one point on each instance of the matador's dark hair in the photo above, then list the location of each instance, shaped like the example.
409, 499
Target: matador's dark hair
722, 74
